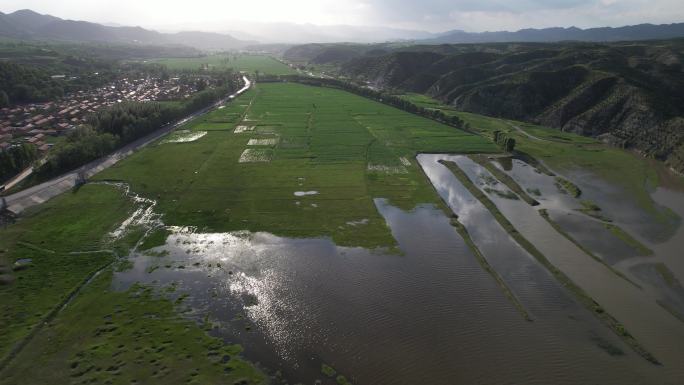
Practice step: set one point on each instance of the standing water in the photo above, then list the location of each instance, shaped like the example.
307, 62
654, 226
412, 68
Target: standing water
429, 314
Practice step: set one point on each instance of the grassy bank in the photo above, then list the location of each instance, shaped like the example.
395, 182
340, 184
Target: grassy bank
48, 234
504, 178
544, 214
628, 239
578, 292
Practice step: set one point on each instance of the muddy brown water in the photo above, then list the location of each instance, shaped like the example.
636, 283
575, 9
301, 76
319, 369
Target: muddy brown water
653, 326
594, 236
428, 314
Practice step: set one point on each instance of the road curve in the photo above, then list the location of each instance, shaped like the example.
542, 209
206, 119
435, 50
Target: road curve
18, 202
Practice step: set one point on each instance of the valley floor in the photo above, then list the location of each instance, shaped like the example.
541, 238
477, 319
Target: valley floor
297, 234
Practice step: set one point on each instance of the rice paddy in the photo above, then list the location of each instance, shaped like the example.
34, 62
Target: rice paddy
280, 138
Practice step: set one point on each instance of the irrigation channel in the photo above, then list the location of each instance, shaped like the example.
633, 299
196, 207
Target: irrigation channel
429, 312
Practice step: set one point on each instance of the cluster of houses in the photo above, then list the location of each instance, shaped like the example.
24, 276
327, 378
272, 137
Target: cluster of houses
38, 122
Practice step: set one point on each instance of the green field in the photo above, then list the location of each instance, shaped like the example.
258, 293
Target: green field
239, 62
346, 148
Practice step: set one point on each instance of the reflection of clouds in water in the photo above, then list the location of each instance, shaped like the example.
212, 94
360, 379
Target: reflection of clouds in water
270, 296
460, 200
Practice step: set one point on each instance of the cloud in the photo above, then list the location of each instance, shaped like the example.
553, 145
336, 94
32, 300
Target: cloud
481, 15
432, 15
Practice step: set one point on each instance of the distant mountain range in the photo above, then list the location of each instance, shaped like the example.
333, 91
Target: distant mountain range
29, 25
547, 35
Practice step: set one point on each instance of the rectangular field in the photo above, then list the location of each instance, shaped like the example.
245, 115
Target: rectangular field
239, 62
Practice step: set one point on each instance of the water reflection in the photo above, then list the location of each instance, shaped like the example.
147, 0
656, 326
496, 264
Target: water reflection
429, 314
652, 325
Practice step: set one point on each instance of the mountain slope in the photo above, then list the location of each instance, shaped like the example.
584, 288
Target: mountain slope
26, 24
603, 34
628, 94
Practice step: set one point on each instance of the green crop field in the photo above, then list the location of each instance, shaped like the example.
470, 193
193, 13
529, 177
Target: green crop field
238, 62
347, 149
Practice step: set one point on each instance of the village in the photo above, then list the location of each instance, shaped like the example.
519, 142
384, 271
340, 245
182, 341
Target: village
40, 123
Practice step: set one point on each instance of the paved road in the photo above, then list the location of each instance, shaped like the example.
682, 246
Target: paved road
38, 194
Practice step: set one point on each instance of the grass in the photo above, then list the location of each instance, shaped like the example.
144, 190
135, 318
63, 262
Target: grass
328, 141
48, 235
593, 210
501, 194
667, 275
628, 239
101, 334
123, 338
568, 187
576, 290
505, 179
328, 370
265, 65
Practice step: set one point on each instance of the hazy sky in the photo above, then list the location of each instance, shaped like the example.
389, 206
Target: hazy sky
430, 15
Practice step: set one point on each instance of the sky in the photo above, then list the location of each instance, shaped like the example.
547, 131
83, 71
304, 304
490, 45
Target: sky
426, 15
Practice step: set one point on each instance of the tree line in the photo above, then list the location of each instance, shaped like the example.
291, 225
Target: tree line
24, 84
505, 141
16, 158
118, 125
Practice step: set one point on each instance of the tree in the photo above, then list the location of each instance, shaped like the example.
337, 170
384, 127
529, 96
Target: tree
4, 99
201, 84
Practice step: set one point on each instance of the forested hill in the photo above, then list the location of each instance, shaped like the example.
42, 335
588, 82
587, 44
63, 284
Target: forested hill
630, 94
601, 34
28, 25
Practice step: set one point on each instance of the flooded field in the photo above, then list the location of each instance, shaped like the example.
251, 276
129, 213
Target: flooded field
649, 261
427, 313
638, 309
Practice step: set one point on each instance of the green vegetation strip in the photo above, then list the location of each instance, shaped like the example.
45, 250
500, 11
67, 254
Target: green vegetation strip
579, 293
593, 210
463, 232
461, 229
506, 179
667, 274
567, 186
671, 310
628, 239
545, 214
